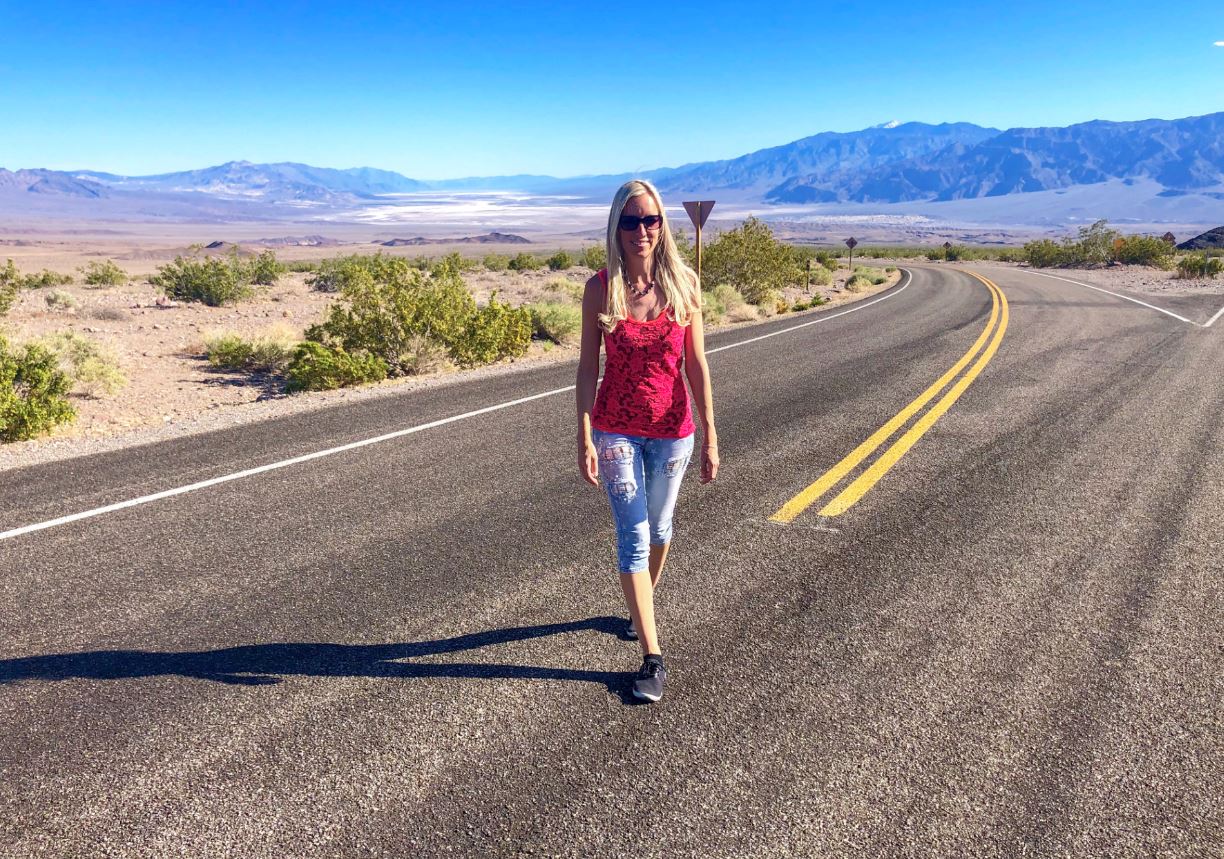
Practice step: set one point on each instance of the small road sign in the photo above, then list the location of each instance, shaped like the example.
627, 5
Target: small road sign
698, 211
947, 247
851, 243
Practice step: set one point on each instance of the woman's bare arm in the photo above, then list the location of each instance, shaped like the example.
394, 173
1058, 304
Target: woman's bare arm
698, 373
588, 377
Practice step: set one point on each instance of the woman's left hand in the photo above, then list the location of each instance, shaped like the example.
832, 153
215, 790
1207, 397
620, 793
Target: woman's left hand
709, 461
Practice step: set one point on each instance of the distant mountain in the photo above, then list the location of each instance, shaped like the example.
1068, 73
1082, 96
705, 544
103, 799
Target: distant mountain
273, 182
49, 182
1182, 155
485, 239
1211, 239
1152, 169
823, 163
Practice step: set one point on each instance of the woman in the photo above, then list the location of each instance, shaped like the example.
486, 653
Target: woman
637, 434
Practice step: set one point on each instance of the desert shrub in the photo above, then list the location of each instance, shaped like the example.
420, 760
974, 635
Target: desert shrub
831, 264
750, 259
10, 282
103, 273
1144, 250
1044, 253
265, 270
301, 266
560, 323
269, 352
33, 391
319, 367
89, 364
1010, 254
334, 273
857, 282
453, 261
1199, 265
570, 290
712, 310
1095, 244
524, 261
496, 331
496, 262
57, 299
890, 269
743, 313
560, 261
594, 256
814, 301
210, 280
820, 276
387, 318
45, 278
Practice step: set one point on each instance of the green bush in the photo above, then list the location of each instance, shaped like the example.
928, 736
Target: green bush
214, 281
57, 299
453, 261
560, 261
524, 261
496, 262
750, 259
1044, 253
33, 392
10, 283
387, 318
831, 264
301, 266
560, 323
45, 278
334, 273
1199, 265
495, 332
91, 366
265, 270
269, 352
318, 367
820, 276
1144, 250
103, 273
857, 282
594, 257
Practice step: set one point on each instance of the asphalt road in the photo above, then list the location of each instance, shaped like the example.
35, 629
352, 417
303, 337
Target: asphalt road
1010, 646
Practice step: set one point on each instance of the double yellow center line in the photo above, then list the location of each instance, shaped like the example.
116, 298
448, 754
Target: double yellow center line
983, 349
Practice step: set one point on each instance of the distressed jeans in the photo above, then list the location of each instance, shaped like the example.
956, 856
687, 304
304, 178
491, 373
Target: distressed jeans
642, 477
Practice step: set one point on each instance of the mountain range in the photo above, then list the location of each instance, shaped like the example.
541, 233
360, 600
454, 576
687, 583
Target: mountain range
1159, 161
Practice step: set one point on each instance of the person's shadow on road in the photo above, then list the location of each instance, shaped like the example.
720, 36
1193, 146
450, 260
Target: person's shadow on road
267, 664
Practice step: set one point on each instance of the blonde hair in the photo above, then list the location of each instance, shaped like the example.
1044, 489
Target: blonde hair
679, 283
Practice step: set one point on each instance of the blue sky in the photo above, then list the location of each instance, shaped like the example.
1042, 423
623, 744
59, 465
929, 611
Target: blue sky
441, 90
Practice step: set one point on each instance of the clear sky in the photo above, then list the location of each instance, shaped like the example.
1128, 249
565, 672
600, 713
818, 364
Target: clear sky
449, 89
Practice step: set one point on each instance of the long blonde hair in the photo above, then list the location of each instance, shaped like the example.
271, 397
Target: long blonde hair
679, 283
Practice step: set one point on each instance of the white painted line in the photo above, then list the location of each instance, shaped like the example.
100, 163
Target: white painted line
1118, 295
225, 478
1212, 320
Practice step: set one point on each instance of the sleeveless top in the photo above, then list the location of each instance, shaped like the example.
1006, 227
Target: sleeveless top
642, 392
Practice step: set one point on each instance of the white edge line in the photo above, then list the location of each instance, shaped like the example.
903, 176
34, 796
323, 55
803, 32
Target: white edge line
1210, 321
225, 478
1125, 297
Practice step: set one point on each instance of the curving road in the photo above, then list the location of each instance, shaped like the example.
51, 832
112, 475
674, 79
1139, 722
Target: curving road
1010, 645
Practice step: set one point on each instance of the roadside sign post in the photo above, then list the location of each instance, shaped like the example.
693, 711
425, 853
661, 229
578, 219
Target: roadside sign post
808, 287
851, 243
947, 247
698, 211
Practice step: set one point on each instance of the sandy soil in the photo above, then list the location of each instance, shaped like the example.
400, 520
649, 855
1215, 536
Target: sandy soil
159, 345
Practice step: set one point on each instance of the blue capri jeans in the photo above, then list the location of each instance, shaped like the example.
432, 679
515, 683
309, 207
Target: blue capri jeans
642, 476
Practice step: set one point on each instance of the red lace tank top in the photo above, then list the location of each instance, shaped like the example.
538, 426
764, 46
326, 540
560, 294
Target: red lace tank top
643, 391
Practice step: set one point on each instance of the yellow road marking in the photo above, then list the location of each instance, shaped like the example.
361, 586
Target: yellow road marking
859, 487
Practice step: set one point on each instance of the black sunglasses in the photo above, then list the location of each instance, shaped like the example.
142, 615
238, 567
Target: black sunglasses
630, 223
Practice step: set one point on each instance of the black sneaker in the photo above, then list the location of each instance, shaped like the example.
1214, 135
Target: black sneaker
648, 685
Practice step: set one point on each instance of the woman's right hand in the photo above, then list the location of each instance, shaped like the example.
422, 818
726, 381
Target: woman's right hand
588, 462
